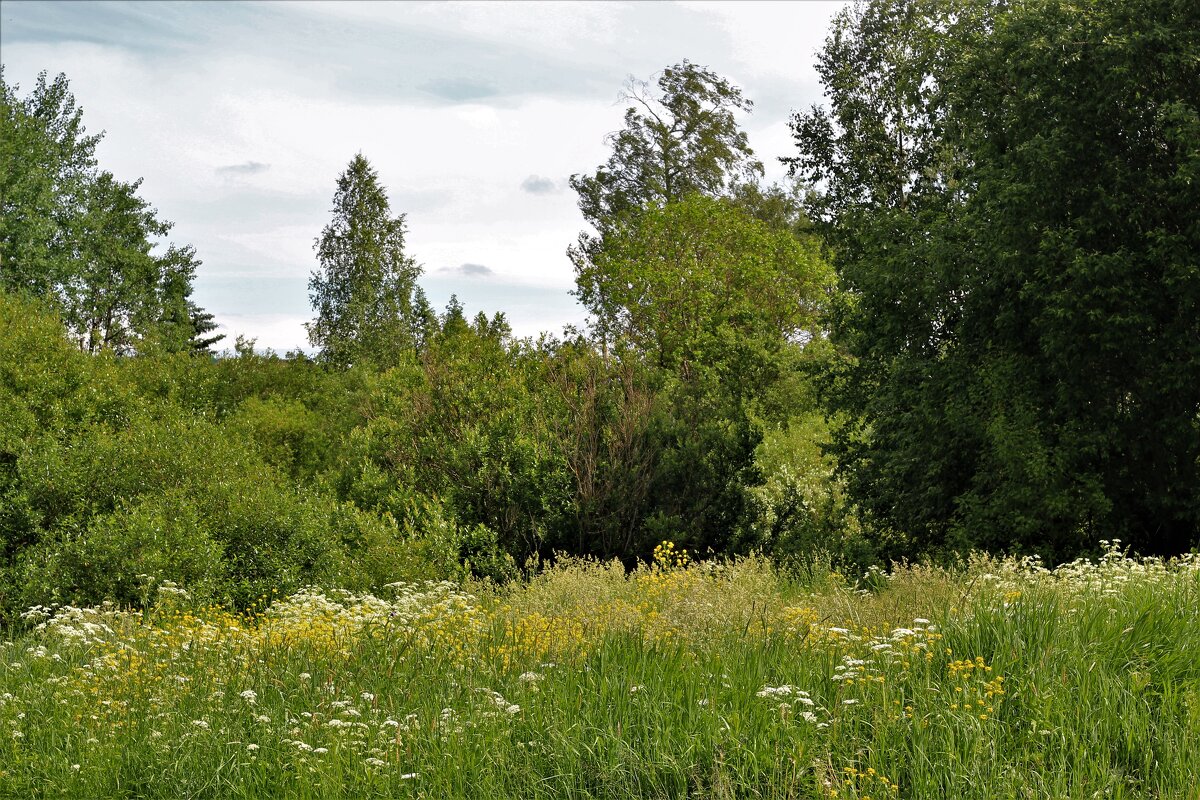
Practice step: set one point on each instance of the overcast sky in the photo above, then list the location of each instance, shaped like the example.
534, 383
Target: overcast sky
240, 116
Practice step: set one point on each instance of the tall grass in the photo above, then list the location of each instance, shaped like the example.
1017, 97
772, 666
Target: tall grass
999, 680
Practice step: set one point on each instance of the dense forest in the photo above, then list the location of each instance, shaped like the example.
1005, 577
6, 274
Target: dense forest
971, 321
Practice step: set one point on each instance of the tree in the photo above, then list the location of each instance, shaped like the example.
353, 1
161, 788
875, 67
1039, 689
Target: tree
82, 238
112, 293
202, 323
425, 325
713, 300
363, 293
671, 279
47, 163
1009, 193
684, 141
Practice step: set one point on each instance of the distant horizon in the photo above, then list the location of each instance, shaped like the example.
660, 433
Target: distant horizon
474, 115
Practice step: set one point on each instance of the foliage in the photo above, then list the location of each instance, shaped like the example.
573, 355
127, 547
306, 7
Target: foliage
1006, 358
363, 293
1007, 192
672, 279
467, 425
604, 412
716, 302
684, 141
179, 468
84, 239
800, 513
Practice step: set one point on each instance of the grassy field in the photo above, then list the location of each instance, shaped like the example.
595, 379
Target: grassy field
998, 680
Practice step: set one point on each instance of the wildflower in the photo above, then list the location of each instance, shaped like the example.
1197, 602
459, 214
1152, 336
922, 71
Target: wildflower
251, 747
849, 702
201, 724
250, 696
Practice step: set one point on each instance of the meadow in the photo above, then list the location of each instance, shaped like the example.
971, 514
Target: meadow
996, 679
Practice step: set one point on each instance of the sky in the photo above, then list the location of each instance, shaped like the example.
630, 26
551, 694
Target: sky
240, 117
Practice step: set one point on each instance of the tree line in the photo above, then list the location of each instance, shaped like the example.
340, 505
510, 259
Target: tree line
971, 320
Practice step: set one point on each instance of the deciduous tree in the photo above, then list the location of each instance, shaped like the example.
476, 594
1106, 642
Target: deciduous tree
363, 293
83, 239
1009, 191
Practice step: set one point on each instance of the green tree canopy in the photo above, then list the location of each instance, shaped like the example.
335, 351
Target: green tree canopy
671, 279
364, 292
683, 140
1009, 191
80, 237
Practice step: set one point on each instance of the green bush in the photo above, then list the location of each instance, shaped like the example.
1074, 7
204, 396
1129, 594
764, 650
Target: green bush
117, 554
